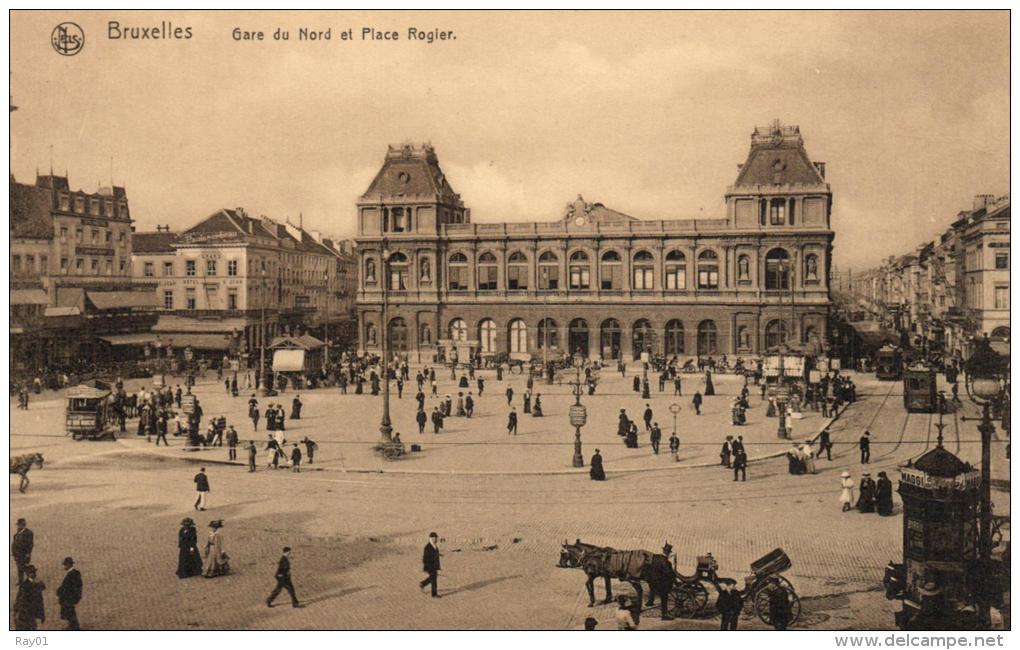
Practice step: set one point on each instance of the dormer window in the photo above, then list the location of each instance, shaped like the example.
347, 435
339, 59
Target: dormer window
777, 212
65, 202
79, 204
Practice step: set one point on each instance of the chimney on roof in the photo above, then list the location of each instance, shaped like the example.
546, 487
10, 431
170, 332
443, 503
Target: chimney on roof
820, 166
983, 200
240, 211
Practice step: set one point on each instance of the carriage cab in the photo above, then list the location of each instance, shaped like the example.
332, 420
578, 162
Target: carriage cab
87, 415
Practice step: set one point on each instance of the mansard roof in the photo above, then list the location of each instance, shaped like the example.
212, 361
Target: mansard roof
778, 157
410, 171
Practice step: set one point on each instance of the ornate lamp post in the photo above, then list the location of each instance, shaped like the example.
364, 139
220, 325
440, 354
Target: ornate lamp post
385, 427
986, 371
262, 333
674, 408
578, 414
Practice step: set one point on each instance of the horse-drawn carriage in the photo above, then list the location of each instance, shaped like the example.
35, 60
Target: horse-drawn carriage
88, 411
681, 595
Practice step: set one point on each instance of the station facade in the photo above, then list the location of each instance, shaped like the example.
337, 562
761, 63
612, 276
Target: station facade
597, 281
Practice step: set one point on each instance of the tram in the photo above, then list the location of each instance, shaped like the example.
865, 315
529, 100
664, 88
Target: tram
920, 393
888, 363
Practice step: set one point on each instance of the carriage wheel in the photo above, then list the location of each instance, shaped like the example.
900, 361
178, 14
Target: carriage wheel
689, 599
761, 600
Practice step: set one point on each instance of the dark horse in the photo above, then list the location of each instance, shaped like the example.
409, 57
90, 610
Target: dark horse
634, 567
21, 464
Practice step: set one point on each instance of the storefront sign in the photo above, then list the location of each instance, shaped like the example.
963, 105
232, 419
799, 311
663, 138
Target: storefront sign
917, 478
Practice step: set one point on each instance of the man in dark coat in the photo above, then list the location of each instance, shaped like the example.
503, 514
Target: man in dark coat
21, 547
648, 417
69, 594
422, 420
511, 422
884, 495
283, 580
28, 604
310, 448
729, 604
596, 470
656, 438
624, 424
637, 384
420, 398
779, 607
825, 444
509, 395
740, 464
469, 405
865, 444
866, 494
696, 402
437, 419
738, 445
295, 408
202, 489
430, 565
724, 455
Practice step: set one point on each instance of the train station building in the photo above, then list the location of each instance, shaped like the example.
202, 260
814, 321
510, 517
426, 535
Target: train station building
595, 280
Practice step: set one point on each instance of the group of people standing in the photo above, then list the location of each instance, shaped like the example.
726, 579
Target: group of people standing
29, 606
872, 496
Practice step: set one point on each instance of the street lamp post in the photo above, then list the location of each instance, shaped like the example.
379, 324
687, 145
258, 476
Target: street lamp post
385, 427
262, 334
674, 408
984, 383
578, 414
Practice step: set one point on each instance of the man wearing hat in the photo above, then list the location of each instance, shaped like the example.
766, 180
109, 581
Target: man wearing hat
865, 444
283, 580
202, 489
430, 564
728, 604
21, 547
69, 594
28, 604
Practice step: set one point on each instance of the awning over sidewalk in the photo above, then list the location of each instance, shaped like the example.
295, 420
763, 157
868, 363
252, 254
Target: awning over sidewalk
170, 324
129, 339
288, 360
29, 297
196, 341
123, 299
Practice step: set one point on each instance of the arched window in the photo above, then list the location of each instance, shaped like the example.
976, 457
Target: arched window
644, 271
398, 335
578, 337
708, 343
548, 334
426, 334
611, 274
580, 272
370, 271
708, 270
487, 272
458, 272
1000, 333
642, 336
744, 269
777, 270
518, 336
548, 271
517, 272
370, 334
674, 338
487, 336
458, 330
811, 268
775, 334
398, 272
676, 271
610, 339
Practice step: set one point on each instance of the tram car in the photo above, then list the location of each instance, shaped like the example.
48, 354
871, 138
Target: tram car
888, 363
920, 393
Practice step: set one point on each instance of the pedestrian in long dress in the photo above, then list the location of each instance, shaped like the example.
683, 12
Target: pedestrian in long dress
214, 550
884, 495
726, 452
536, 408
189, 560
866, 494
527, 401
596, 471
846, 495
808, 454
252, 451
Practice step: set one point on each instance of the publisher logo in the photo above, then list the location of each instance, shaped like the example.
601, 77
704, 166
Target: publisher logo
67, 39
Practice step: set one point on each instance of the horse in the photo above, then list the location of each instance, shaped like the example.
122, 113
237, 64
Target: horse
21, 464
634, 567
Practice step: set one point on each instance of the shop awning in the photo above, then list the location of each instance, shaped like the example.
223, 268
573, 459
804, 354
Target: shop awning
123, 299
29, 297
288, 360
169, 324
62, 311
197, 341
129, 339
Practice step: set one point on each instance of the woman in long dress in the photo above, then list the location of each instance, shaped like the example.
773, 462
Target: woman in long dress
189, 562
213, 549
808, 455
883, 495
846, 497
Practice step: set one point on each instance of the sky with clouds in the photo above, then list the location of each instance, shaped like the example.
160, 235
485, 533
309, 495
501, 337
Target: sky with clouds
648, 113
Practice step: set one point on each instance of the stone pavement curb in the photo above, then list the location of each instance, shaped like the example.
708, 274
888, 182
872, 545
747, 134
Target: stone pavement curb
418, 472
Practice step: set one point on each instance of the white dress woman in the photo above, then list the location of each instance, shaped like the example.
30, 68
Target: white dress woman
808, 455
846, 497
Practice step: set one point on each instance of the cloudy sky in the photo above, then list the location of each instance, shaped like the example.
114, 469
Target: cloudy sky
648, 113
